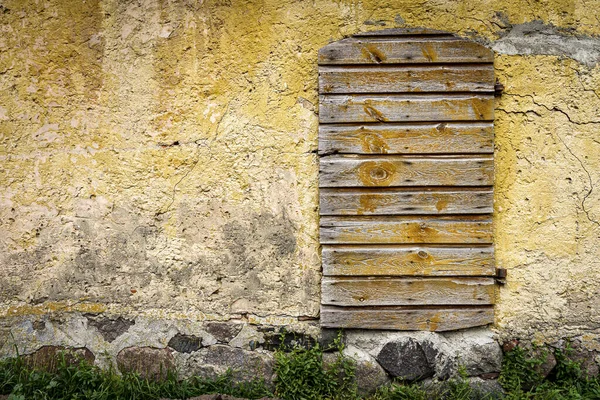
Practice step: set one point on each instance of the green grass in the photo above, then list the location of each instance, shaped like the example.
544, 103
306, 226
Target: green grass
84, 381
521, 378
301, 375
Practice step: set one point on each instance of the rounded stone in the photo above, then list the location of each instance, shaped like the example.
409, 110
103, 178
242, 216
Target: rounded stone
406, 360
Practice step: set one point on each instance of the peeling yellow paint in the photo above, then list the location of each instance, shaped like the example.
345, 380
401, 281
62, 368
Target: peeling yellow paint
159, 155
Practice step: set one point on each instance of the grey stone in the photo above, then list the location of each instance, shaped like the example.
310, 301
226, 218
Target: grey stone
148, 362
405, 359
476, 350
223, 331
248, 338
478, 388
369, 377
213, 361
486, 389
185, 343
110, 329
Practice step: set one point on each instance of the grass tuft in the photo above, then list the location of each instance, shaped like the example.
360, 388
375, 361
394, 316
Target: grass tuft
302, 374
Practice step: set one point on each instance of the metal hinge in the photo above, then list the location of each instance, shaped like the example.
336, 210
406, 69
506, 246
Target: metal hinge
500, 276
498, 88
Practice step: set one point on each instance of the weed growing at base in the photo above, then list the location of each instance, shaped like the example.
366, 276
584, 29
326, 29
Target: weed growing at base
85, 381
301, 375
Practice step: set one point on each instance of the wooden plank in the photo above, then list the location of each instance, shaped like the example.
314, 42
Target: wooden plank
406, 319
399, 230
405, 261
451, 137
338, 108
384, 201
352, 171
407, 291
403, 32
403, 51
406, 78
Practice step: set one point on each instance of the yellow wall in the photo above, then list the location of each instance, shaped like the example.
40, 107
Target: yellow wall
158, 157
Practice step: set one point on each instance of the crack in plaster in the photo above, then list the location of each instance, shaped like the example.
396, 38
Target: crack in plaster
556, 109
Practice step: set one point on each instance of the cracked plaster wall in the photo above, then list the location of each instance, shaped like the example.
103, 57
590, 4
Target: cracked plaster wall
158, 157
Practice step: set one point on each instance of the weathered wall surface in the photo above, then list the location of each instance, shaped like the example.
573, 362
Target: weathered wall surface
158, 163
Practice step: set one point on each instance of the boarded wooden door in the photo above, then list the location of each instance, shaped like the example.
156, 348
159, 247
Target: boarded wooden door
406, 181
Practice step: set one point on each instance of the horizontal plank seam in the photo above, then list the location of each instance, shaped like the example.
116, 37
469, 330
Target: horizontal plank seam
380, 218
409, 307
424, 121
415, 189
470, 154
402, 36
428, 156
409, 276
432, 65
422, 94
418, 245
484, 122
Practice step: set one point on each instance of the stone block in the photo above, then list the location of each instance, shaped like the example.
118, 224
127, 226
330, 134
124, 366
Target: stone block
406, 359
148, 362
213, 361
223, 332
48, 358
110, 329
185, 343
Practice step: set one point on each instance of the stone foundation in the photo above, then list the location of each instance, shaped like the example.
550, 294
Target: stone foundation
208, 349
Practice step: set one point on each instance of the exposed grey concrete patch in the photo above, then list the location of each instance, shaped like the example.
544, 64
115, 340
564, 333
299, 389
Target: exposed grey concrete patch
538, 38
378, 22
262, 231
185, 343
110, 329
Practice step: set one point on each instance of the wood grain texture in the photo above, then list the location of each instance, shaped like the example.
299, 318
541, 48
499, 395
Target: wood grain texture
383, 201
450, 137
406, 291
406, 181
406, 319
339, 108
397, 79
400, 50
353, 171
407, 261
398, 230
